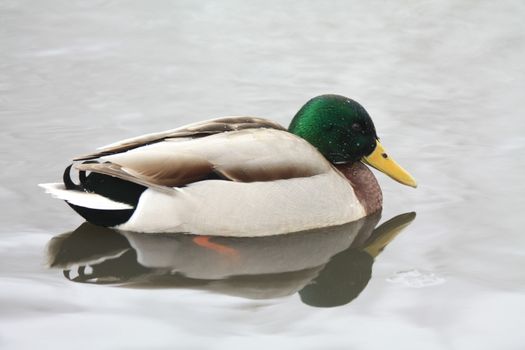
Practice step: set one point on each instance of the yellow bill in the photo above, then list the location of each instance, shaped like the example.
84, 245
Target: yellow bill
380, 160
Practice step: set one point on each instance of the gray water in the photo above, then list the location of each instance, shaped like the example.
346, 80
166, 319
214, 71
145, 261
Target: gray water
444, 82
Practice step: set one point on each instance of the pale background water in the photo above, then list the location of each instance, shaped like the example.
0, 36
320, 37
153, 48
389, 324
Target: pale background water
443, 80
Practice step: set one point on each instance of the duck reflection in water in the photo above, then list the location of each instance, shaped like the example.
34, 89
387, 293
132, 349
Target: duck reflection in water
328, 267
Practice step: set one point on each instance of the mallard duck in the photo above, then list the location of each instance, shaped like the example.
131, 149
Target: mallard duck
237, 176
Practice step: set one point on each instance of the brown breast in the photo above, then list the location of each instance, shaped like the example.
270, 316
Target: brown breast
365, 185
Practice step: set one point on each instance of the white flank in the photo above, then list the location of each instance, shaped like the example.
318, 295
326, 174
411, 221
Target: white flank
83, 199
228, 208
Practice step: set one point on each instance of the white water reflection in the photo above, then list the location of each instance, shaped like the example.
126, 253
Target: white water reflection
328, 267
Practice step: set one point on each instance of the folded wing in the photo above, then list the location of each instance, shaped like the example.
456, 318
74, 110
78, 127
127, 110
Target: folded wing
238, 149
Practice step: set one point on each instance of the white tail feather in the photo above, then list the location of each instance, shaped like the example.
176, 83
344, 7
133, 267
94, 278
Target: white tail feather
83, 199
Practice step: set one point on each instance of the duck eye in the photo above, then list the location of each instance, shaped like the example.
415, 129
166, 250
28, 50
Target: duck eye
357, 127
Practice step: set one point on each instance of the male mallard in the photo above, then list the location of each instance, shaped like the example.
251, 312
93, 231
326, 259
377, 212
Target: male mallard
238, 176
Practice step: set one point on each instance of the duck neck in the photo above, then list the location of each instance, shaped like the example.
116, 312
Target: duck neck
365, 185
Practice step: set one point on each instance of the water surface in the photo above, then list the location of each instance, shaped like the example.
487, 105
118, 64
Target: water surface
443, 81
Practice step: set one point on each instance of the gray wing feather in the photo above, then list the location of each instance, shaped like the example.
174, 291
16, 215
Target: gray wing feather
200, 129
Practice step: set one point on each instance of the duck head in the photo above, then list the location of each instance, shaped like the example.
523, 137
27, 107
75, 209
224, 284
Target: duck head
341, 129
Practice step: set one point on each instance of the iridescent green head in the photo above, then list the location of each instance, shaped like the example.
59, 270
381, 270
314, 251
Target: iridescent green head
339, 127
342, 131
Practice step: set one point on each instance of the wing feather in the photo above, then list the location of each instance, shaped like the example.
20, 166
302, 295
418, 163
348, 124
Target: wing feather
227, 148
200, 129
155, 170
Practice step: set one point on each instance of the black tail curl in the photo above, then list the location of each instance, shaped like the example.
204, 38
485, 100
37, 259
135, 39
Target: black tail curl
68, 182
110, 187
